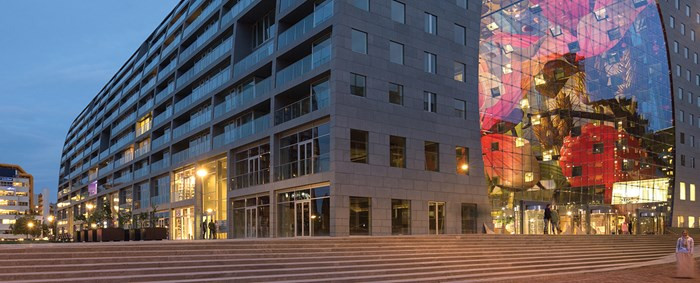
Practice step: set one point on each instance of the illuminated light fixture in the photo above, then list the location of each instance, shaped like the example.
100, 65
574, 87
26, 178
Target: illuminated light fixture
313, 216
529, 177
209, 210
524, 103
89, 206
507, 49
202, 172
536, 120
601, 14
30, 225
535, 9
539, 80
464, 167
507, 69
519, 142
547, 156
93, 225
492, 26
568, 213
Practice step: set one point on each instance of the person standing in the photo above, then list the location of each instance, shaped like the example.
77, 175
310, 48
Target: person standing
212, 230
547, 218
624, 227
205, 226
555, 222
685, 263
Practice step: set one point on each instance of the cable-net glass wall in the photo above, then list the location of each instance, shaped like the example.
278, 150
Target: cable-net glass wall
576, 111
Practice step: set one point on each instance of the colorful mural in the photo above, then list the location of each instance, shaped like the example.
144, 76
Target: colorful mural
575, 102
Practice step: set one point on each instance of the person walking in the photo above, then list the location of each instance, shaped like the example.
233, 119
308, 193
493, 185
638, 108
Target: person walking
685, 263
624, 227
547, 218
555, 222
212, 230
204, 229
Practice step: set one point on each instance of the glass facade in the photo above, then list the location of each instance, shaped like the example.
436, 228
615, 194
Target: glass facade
304, 212
575, 110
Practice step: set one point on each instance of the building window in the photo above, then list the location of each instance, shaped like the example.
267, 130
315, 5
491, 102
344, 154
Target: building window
459, 71
691, 221
682, 160
675, 46
429, 101
672, 21
460, 35
315, 219
400, 217
183, 185
469, 216
360, 216
304, 152
462, 159
430, 23
681, 222
358, 84
576, 171
598, 148
262, 30
398, 11
396, 93
460, 109
361, 4
681, 190
358, 146
359, 41
681, 116
432, 156
397, 152
252, 167
692, 192
462, 3
396, 52
430, 62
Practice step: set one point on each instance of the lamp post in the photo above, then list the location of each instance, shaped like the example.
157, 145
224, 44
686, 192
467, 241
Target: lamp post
30, 225
89, 207
50, 218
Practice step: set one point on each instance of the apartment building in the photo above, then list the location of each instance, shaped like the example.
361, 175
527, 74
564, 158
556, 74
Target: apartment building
289, 118
16, 197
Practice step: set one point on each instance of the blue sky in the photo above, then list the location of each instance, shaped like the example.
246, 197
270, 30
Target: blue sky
54, 58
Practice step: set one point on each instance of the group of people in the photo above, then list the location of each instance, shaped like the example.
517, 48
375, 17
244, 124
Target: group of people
551, 223
208, 229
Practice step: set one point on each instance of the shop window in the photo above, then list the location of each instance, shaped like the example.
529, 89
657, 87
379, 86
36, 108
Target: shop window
397, 155
400, 217
360, 216
432, 156
469, 218
359, 146
462, 160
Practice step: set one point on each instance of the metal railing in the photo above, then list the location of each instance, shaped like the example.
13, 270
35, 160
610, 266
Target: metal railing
301, 108
213, 6
299, 29
235, 10
161, 140
303, 167
303, 66
233, 133
254, 58
192, 151
238, 98
252, 179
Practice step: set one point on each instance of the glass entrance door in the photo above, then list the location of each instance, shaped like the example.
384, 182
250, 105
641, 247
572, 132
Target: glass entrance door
251, 222
302, 221
436, 217
183, 226
305, 150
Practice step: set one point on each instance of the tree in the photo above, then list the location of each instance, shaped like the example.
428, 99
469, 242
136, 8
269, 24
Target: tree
122, 218
21, 226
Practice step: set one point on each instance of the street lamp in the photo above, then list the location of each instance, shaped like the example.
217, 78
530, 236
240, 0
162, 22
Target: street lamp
30, 225
50, 218
89, 207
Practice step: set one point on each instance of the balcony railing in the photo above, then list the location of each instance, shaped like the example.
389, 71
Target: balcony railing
160, 164
173, 44
285, 4
127, 121
254, 58
104, 154
165, 92
303, 66
106, 169
192, 152
92, 176
302, 27
148, 85
128, 102
167, 69
141, 172
138, 63
146, 107
142, 150
161, 140
133, 82
303, 167
252, 179
238, 98
176, 25
126, 158
205, 61
163, 116
301, 108
126, 177
155, 47
143, 128
213, 6
122, 142
232, 134
201, 39
203, 89
235, 10
193, 123
151, 65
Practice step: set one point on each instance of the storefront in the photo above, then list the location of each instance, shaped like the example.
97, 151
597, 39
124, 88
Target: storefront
304, 212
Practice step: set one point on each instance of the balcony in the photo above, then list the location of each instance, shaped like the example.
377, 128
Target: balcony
146, 107
142, 172
285, 4
242, 96
156, 143
303, 167
235, 10
232, 133
301, 108
111, 103
302, 27
160, 164
126, 158
144, 127
104, 154
138, 63
148, 85
142, 150
167, 69
252, 179
134, 81
94, 160
173, 44
126, 121
201, 39
205, 61
128, 103
191, 152
192, 124
165, 92
154, 48
126, 177
254, 58
162, 117
303, 66
213, 6
92, 176
106, 169
203, 89
176, 25
122, 142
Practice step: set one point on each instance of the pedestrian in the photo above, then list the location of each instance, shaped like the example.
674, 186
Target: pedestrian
624, 227
212, 229
204, 229
685, 263
547, 218
555, 222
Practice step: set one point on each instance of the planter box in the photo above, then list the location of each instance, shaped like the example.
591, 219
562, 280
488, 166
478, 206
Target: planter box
84, 235
78, 236
157, 233
126, 234
92, 235
134, 234
110, 234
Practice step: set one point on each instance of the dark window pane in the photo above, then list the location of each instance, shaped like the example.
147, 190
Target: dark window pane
360, 216
358, 146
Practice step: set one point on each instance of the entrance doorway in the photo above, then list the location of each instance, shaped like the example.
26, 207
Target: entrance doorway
183, 224
251, 222
302, 221
436, 217
649, 222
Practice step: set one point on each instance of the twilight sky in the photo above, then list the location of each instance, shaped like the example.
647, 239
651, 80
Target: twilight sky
54, 58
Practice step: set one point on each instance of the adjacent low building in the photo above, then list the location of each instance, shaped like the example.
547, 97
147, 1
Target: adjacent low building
16, 197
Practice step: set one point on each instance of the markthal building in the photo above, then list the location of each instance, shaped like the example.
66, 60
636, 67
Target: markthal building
576, 110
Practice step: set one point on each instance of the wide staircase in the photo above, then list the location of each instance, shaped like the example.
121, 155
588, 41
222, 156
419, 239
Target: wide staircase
350, 259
